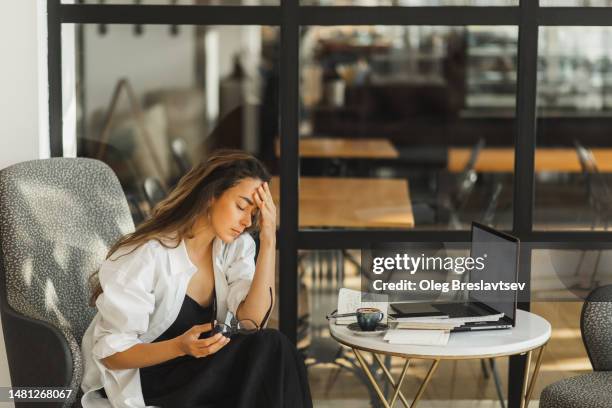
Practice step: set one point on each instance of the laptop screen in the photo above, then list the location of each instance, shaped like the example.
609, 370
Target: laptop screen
500, 252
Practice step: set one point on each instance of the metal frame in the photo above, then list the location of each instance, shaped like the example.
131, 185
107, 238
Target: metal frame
526, 386
528, 16
54, 66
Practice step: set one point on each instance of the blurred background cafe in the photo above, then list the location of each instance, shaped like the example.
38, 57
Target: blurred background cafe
431, 107
401, 128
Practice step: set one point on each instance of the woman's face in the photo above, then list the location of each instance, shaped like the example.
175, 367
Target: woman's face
233, 212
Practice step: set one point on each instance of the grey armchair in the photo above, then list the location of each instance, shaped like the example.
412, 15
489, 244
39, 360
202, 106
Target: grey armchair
58, 217
591, 390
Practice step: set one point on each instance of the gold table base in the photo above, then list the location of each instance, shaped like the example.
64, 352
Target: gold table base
527, 389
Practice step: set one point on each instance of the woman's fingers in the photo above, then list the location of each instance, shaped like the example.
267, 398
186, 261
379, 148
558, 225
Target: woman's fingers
265, 203
200, 328
213, 347
209, 341
258, 201
267, 189
263, 194
270, 199
260, 198
218, 345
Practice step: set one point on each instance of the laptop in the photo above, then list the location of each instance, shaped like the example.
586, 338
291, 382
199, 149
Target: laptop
502, 256
501, 252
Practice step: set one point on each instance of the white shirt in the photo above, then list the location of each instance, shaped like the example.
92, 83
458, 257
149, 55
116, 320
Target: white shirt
142, 295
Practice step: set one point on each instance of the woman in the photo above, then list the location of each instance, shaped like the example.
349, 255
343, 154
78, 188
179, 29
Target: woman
162, 287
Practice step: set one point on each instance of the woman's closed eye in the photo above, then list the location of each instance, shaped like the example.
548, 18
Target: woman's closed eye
253, 213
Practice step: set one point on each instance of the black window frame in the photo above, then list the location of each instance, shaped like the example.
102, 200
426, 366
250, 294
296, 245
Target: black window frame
289, 15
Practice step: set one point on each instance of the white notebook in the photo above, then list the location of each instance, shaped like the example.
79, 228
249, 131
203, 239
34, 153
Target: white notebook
418, 337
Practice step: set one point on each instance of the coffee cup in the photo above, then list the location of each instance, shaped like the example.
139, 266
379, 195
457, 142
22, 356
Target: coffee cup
368, 318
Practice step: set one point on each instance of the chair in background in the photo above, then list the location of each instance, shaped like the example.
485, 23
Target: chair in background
599, 197
453, 196
180, 154
186, 117
492, 208
591, 390
153, 190
138, 214
599, 193
58, 218
135, 144
125, 170
464, 186
140, 134
228, 132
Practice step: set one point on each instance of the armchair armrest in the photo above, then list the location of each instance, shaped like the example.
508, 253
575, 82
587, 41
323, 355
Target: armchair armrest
37, 352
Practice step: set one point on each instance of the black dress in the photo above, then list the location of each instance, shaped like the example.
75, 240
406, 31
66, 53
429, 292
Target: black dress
256, 370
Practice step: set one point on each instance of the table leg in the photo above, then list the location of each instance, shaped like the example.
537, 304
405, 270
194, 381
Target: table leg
534, 376
396, 386
526, 389
525, 378
399, 383
366, 370
421, 390
497, 382
388, 362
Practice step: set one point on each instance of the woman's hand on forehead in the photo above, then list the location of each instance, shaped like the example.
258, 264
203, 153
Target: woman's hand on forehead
267, 210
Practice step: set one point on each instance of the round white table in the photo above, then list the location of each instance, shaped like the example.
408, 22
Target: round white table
530, 333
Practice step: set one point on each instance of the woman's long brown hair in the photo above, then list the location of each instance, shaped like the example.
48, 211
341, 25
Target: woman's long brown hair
172, 218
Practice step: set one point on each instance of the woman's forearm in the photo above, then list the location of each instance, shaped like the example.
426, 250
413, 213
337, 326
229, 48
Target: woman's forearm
143, 355
258, 300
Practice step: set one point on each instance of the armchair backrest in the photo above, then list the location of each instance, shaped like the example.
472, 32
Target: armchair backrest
58, 218
596, 327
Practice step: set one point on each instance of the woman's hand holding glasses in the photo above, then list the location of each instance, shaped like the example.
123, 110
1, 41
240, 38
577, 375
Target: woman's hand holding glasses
189, 342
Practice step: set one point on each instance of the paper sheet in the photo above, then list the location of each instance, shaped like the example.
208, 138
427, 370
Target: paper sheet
418, 337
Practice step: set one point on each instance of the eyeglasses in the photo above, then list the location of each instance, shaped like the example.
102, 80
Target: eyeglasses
242, 326
335, 315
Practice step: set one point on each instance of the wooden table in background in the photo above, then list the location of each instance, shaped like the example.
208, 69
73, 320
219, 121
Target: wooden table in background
338, 148
501, 160
351, 202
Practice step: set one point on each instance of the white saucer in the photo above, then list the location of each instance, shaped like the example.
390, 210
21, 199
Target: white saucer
381, 328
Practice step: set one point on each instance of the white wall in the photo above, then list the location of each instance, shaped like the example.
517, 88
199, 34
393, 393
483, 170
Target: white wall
157, 60
23, 81
152, 61
24, 113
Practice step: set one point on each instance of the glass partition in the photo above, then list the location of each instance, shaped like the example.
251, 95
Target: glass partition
152, 105
407, 127
573, 154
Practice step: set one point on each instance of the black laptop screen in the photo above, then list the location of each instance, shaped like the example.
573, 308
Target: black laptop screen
501, 257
